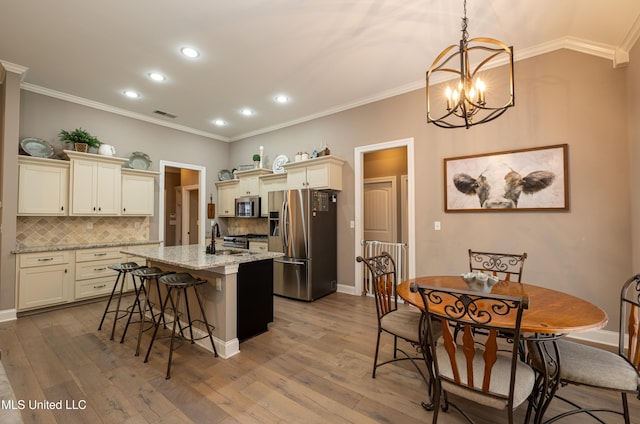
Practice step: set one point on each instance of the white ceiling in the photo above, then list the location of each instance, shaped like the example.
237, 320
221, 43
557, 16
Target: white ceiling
326, 55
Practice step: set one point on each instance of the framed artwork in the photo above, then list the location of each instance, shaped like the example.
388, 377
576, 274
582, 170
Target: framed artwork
516, 180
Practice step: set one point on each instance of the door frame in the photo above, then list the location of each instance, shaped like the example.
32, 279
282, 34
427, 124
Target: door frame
202, 203
358, 170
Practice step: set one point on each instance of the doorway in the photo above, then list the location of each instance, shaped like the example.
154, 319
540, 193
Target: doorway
405, 211
182, 203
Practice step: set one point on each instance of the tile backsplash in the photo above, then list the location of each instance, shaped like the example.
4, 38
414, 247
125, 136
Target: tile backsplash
37, 231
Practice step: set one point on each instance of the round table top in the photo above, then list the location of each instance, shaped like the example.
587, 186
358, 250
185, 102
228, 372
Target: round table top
549, 312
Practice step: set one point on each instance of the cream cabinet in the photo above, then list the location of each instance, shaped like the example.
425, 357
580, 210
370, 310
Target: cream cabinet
258, 246
138, 192
324, 172
44, 279
93, 277
273, 182
227, 193
249, 181
95, 184
43, 186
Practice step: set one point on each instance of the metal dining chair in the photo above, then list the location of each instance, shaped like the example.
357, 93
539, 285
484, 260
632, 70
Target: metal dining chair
401, 322
472, 367
580, 364
506, 266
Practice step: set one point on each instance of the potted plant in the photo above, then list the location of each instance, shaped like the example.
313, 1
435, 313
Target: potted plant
80, 138
256, 160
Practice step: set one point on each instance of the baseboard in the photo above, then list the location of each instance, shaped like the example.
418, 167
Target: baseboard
8, 315
342, 288
602, 337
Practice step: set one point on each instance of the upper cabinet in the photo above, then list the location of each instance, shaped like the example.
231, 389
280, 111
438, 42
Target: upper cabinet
226, 197
138, 192
272, 182
43, 186
250, 181
95, 184
324, 172
86, 185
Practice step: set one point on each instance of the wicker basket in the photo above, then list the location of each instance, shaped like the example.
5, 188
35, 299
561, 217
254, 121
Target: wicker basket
81, 147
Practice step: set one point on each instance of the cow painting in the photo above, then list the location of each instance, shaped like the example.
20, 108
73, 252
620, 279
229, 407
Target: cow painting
517, 180
501, 187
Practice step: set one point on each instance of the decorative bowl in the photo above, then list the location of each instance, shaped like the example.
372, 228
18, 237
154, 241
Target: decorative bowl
479, 281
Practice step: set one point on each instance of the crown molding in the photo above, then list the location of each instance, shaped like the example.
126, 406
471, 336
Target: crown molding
104, 107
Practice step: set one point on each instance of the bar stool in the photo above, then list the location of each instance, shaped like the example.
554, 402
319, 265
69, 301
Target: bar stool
144, 275
123, 269
180, 282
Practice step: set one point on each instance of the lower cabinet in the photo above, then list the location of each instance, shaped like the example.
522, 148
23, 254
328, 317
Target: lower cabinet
255, 298
93, 275
44, 279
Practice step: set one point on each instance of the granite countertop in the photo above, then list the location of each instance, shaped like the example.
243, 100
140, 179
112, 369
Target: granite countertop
194, 256
35, 249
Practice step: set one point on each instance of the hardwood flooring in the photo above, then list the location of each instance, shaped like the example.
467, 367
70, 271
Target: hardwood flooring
312, 366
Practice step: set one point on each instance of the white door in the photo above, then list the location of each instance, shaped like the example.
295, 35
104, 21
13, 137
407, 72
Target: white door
379, 212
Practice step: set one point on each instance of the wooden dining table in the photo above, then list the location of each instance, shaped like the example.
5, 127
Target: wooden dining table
551, 314
550, 311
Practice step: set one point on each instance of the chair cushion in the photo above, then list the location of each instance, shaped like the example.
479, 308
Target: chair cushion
596, 367
404, 323
500, 378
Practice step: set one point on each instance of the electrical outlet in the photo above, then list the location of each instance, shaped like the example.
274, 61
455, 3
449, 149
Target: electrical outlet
89, 225
136, 225
436, 225
218, 284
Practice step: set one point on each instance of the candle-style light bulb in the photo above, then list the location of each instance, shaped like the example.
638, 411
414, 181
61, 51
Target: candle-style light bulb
448, 94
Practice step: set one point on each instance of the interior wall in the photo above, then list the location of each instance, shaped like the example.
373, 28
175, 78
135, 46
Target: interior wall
43, 117
633, 108
561, 97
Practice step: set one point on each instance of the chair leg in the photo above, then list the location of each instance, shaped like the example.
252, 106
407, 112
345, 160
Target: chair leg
115, 319
137, 289
144, 311
206, 322
173, 331
625, 408
106, 309
375, 357
189, 321
155, 330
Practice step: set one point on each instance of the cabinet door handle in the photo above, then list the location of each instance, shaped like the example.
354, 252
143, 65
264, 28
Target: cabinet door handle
94, 208
99, 209
62, 208
100, 286
99, 269
44, 259
100, 254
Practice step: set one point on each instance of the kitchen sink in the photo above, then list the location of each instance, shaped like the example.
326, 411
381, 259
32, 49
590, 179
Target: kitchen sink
232, 252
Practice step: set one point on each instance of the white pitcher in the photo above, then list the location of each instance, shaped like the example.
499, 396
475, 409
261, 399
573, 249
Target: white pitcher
106, 150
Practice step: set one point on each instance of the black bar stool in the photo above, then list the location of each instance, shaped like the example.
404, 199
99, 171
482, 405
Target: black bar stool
123, 269
180, 282
144, 275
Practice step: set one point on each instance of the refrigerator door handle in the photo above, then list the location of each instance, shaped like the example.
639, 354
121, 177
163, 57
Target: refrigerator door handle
284, 261
284, 235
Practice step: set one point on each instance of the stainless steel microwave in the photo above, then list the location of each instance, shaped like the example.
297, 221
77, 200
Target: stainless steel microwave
248, 207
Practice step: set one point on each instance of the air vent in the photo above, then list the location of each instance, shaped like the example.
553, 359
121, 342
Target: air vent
167, 114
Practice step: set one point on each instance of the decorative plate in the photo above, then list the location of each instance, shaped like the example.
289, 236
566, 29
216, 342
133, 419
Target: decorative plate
225, 175
36, 147
139, 160
278, 162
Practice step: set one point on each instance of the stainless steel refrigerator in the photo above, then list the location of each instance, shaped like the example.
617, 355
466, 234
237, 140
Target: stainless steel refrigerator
302, 225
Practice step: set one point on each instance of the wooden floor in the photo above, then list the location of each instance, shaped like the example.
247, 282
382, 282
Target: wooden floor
312, 366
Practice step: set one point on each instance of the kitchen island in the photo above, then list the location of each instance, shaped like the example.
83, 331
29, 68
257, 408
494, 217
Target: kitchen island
222, 271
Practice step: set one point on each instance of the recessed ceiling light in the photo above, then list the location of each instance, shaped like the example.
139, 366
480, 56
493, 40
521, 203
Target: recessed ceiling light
156, 76
131, 94
247, 112
281, 98
219, 122
189, 52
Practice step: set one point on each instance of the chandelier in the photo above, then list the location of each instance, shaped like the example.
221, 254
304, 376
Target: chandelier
465, 102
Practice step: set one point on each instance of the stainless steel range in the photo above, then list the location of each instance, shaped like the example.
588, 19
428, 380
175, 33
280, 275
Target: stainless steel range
241, 241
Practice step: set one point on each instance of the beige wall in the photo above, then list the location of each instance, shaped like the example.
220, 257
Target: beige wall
561, 97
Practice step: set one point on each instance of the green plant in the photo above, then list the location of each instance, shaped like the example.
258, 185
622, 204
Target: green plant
256, 158
79, 136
